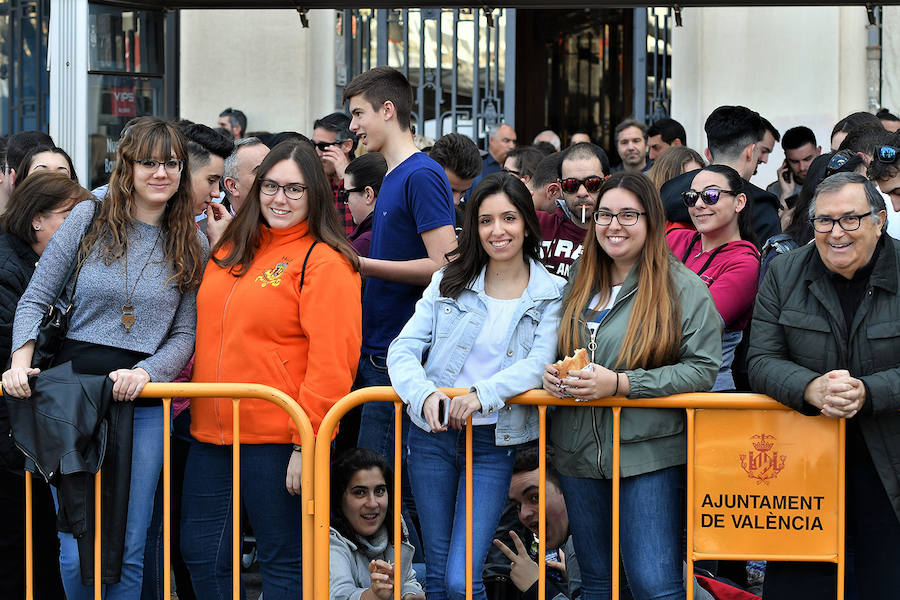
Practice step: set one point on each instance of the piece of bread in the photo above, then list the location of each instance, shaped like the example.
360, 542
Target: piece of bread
577, 361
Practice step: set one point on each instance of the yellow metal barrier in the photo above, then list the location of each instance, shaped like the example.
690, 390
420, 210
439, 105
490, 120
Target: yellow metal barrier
236, 391
315, 477
690, 402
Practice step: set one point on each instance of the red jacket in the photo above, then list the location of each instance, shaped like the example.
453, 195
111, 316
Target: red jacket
262, 328
562, 241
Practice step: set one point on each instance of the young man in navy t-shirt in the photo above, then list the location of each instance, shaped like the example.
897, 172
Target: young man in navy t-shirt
412, 231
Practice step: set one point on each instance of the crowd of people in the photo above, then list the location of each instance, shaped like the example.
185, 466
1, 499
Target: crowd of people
363, 255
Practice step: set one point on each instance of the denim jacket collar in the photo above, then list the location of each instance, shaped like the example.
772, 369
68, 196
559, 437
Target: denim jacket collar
541, 284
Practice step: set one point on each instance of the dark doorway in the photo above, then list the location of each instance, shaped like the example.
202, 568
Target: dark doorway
573, 72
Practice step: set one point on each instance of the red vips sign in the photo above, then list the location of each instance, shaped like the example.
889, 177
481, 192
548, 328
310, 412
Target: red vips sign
124, 102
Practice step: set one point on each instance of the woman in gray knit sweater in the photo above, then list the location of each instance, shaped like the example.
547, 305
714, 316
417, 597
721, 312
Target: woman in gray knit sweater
134, 318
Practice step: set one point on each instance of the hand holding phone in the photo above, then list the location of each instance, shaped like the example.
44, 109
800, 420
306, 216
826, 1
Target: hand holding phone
786, 172
435, 411
444, 411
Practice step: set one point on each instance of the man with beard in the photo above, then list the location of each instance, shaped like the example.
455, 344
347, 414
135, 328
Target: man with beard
800, 149
631, 144
582, 172
563, 580
767, 143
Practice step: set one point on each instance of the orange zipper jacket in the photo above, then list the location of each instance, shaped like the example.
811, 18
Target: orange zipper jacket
262, 328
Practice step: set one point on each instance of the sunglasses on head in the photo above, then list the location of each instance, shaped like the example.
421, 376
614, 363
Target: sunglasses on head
709, 197
887, 154
592, 184
837, 161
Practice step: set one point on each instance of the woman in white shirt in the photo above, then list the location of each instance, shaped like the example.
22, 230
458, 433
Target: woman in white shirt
486, 323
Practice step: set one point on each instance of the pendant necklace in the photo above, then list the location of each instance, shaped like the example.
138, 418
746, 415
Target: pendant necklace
128, 307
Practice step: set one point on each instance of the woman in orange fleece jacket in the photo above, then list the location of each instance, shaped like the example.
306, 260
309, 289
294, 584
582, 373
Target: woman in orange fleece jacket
279, 305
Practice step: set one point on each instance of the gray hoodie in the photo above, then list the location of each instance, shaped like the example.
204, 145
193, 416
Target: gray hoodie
349, 569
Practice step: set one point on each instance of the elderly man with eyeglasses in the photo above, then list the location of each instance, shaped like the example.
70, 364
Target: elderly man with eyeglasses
825, 340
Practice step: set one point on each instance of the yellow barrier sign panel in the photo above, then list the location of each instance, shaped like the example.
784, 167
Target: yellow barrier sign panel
765, 483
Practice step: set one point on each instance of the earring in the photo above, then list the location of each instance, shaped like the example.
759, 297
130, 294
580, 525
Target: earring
37, 227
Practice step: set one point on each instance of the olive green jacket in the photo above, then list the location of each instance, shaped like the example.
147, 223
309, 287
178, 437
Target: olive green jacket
652, 438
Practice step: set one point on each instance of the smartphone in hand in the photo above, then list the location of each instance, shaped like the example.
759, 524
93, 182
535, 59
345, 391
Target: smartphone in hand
787, 172
444, 412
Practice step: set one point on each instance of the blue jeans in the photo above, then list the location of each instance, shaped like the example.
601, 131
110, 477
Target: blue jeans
376, 432
206, 519
155, 570
376, 427
651, 524
437, 472
146, 464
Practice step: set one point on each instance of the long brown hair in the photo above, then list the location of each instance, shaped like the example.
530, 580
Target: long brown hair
243, 236
653, 336
148, 138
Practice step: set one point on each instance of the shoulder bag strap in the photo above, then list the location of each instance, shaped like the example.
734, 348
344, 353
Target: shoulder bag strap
75, 267
306, 260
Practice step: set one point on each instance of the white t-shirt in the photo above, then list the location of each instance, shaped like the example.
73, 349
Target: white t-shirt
488, 350
594, 323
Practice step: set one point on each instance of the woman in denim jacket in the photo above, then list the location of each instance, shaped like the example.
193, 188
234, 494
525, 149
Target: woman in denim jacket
488, 323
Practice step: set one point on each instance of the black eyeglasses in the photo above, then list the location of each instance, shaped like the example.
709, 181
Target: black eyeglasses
511, 172
847, 222
294, 191
709, 197
324, 145
150, 165
626, 218
344, 194
887, 154
592, 184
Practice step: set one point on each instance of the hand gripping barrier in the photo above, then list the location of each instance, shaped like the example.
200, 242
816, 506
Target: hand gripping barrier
235, 391
764, 442
731, 441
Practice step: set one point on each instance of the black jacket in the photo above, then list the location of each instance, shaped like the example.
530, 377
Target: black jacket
766, 221
69, 427
17, 261
799, 333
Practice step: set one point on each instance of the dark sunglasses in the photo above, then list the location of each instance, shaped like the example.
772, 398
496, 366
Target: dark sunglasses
709, 197
887, 154
592, 184
344, 194
324, 145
